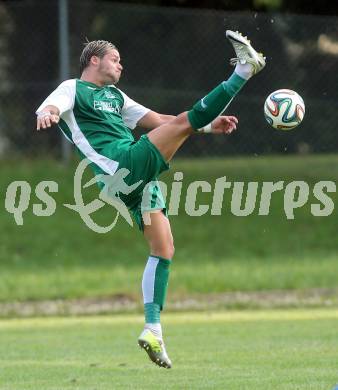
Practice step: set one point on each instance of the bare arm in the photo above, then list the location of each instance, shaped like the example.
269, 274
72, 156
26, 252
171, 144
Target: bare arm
222, 124
153, 119
47, 117
166, 117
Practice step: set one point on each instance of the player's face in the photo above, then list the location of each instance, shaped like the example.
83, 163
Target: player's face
109, 67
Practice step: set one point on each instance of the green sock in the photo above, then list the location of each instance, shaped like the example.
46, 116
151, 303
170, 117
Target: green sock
154, 287
213, 104
152, 313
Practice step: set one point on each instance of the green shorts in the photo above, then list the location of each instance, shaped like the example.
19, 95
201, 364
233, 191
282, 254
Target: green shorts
145, 163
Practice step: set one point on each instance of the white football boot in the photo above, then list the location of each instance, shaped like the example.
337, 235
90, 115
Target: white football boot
245, 53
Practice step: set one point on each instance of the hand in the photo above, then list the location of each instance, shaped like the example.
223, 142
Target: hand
224, 125
46, 119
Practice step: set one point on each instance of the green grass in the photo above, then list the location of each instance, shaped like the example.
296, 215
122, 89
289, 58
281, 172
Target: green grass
280, 350
59, 257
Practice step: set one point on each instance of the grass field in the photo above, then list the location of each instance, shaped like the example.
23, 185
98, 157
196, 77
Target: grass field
59, 257
279, 350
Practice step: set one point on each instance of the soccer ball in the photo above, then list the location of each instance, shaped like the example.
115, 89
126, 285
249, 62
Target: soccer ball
284, 109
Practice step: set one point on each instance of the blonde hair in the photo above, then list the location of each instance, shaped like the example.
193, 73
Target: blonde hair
94, 48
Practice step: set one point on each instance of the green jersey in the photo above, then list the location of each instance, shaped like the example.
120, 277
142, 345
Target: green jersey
95, 118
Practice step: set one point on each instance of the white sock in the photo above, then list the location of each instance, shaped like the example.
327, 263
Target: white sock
156, 329
244, 70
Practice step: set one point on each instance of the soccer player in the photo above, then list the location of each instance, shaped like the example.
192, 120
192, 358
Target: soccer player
97, 118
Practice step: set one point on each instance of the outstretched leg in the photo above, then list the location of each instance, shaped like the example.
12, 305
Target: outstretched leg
169, 137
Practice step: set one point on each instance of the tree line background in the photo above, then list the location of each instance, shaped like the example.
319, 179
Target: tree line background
316, 7
161, 44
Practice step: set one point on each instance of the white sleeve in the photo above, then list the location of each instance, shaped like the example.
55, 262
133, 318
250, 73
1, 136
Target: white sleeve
63, 97
132, 112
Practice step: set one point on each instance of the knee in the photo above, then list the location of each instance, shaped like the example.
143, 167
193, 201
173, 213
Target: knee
171, 251
165, 250
182, 121
170, 248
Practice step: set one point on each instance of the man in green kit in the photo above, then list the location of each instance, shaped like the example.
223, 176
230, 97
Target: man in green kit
97, 117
